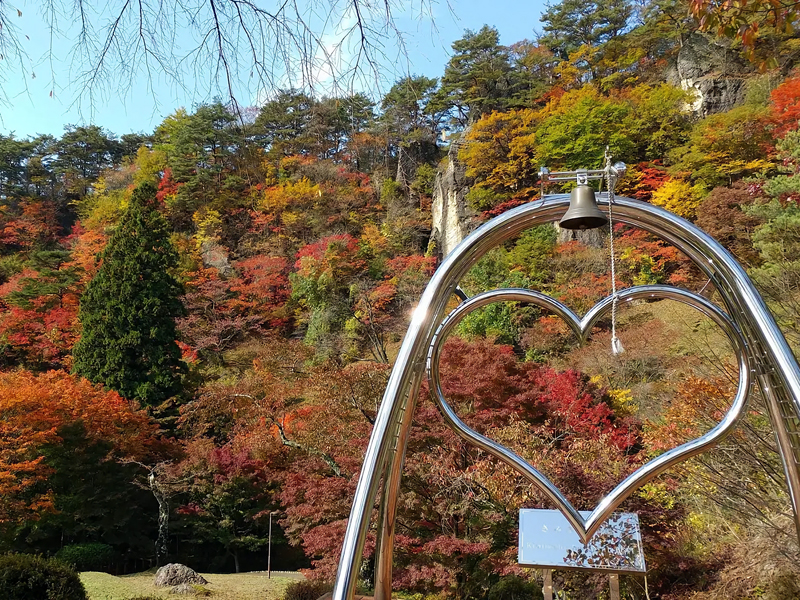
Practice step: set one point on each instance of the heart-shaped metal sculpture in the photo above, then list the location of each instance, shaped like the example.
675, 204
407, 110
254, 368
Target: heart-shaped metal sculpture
582, 328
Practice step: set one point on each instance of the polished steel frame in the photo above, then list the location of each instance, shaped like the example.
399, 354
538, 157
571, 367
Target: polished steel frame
761, 350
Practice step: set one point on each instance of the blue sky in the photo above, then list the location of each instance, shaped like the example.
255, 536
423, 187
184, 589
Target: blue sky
29, 108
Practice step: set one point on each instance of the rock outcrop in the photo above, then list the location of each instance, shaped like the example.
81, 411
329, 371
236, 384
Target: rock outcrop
452, 217
216, 256
716, 74
175, 574
593, 238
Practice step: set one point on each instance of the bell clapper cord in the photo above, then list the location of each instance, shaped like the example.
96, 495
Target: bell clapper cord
577, 218
611, 180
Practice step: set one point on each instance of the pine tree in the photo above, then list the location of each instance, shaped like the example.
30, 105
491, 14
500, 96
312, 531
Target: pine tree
128, 310
476, 79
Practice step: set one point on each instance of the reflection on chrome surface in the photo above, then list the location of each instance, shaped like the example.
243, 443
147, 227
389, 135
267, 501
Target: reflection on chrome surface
548, 541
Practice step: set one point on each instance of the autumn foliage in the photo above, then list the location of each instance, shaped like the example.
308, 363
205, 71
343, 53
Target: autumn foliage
284, 251
34, 410
786, 106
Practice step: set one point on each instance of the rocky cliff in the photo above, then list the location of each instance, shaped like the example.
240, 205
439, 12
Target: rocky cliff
453, 219
716, 74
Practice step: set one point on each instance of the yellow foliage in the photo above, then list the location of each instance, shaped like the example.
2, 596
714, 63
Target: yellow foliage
100, 186
294, 193
498, 152
657, 493
270, 171
290, 217
373, 238
571, 71
104, 206
208, 221
740, 168
149, 165
680, 197
622, 402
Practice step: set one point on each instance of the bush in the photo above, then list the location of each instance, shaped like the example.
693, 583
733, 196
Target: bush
25, 577
306, 590
483, 199
87, 557
513, 587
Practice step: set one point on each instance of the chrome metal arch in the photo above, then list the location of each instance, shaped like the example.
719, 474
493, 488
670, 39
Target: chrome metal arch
765, 347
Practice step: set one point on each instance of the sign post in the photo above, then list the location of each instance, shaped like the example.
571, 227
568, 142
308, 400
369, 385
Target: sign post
547, 588
613, 581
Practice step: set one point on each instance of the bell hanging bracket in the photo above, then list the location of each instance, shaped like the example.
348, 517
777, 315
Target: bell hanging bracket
583, 212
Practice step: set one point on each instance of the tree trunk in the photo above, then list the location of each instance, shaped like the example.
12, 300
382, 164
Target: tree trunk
163, 521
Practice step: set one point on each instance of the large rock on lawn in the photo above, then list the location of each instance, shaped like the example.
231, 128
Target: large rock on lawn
175, 574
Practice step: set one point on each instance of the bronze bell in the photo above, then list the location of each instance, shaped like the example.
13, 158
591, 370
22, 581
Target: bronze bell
582, 212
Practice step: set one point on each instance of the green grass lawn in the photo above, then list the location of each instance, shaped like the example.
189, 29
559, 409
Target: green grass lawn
242, 586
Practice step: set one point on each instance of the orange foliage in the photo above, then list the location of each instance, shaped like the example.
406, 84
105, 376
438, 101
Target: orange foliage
786, 106
697, 404
262, 286
37, 225
500, 152
167, 187
34, 408
85, 246
41, 337
642, 180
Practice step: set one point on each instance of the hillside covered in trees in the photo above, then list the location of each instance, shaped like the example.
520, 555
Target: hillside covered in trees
197, 323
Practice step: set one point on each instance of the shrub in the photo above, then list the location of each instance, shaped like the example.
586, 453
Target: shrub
513, 587
424, 180
87, 557
481, 199
725, 214
306, 590
25, 577
680, 197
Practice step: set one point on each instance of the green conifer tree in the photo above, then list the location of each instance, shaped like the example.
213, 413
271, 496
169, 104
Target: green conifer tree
128, 310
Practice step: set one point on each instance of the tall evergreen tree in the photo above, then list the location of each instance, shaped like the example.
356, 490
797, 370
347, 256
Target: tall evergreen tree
476, 79
571, 24
128, 310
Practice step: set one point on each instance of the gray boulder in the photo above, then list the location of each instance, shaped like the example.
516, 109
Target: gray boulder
215, 255
175, 574
183, 588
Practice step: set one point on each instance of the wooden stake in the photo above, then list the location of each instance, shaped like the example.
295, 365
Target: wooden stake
613, 581
547, 589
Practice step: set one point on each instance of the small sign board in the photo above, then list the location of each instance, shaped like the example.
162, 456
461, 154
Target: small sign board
548, 541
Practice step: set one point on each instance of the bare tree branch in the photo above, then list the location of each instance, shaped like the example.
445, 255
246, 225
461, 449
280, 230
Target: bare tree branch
241, 49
